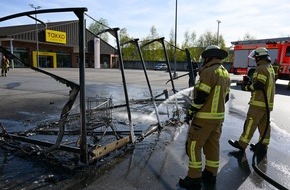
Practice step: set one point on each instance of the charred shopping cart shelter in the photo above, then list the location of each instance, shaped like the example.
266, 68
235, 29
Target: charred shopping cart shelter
91, 122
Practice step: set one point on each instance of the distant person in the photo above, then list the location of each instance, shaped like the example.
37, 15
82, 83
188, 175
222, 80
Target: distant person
257, 116
5, 66
207, 115
193, 69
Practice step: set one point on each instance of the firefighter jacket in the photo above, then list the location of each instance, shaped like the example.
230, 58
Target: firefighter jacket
5, 63
263, 80
214, 85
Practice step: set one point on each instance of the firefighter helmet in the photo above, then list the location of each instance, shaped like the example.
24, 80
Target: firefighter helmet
259, 52
214, 51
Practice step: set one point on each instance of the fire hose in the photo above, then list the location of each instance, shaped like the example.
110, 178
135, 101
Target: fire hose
257, 147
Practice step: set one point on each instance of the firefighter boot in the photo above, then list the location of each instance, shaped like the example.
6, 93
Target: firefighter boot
258, 147
190, 183
236, 144
260, 151
252, 147
208, 177
239, 155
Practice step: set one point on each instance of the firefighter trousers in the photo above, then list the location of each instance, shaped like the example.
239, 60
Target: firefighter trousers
256, 118
203, 137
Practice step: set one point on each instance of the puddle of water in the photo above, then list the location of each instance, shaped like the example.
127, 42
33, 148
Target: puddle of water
13, 85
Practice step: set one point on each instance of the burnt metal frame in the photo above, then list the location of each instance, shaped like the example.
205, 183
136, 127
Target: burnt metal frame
161, 40
83, 150
114, 32
79, 12
136, 43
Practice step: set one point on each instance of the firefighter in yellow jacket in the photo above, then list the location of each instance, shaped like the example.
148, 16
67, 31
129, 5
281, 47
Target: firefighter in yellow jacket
257, 116
4, 66
207, 114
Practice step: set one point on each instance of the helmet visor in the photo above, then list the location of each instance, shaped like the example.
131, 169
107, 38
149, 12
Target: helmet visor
252, 55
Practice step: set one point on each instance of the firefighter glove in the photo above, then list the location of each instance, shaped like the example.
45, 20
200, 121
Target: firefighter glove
245, 87
247, 81
190, 114
186, 102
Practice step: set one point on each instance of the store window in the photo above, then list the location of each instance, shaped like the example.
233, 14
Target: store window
64, 60
46, 61
22, 54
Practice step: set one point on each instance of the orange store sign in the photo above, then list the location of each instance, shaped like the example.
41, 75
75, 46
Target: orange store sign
55, 36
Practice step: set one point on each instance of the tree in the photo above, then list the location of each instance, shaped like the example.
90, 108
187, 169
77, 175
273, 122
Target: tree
247, 36
98, 26
128, 49
153, 33
190, 43
170, 46
186, 42
153, 50
189, 40
124, 36
196, 47
206, 39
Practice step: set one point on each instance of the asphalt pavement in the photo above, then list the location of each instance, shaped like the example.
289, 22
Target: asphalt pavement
156, 162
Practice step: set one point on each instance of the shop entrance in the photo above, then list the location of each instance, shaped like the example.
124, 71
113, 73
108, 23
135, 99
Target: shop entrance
46, 59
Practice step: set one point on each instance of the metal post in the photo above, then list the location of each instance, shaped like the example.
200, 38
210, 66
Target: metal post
115, 30
36, 34
174, 74
148, 83
11, 49
167, 61
37, 47
83, 145
218, 30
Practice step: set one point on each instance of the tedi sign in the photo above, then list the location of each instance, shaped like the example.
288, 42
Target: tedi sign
55, 36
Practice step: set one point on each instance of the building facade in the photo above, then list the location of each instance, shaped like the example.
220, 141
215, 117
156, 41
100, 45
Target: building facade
55, 45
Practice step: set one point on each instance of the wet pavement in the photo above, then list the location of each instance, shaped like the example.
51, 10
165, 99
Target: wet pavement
155, 162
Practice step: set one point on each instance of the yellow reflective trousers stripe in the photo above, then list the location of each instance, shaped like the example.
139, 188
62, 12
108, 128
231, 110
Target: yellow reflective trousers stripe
266, 141
245, 138
193, 163
213, 164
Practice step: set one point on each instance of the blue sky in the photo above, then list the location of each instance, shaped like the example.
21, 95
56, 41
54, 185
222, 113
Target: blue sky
261, 19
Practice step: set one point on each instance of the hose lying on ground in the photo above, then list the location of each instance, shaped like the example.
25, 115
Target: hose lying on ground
257, 149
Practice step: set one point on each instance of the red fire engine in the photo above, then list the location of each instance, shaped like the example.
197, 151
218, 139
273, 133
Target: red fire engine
279, 51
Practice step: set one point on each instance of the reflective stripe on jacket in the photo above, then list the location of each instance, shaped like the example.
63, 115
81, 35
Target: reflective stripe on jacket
265, 74
214, 81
